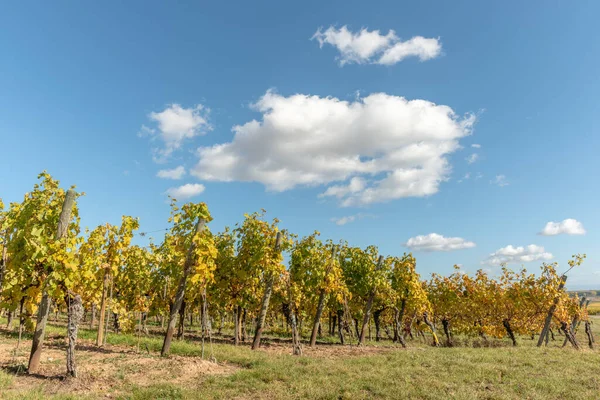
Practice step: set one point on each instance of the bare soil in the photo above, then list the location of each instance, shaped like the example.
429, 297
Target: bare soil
102, 370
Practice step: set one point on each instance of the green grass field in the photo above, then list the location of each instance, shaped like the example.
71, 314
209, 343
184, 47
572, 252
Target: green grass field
379, 370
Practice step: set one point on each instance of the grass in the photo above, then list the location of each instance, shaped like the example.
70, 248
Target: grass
464, 373
5, 380
457, 373
333, 372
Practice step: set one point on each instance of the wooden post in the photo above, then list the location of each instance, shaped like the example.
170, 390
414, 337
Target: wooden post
260, 322
510, 332
436, 341
574, 323
588, 332
551, 313
162, 316
398, 318
93, 317
340, 322
110, 304
369, 306
376, 320
187, 269
446, 327
4, 259
237, 329
244, 324
100, 335
74, 317
569, 334
9, 319
21, 322
296, 345
181, 326
332, 322
44, 306
321, 304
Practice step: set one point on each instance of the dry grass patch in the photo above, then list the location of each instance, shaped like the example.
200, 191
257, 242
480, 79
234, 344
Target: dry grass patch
110, 370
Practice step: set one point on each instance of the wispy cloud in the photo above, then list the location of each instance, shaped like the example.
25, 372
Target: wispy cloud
500, 180
472, 158
350, 218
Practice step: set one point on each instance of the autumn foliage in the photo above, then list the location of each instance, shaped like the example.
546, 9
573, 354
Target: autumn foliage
321, 280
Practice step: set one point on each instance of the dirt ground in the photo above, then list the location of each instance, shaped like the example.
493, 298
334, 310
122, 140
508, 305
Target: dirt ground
102, 370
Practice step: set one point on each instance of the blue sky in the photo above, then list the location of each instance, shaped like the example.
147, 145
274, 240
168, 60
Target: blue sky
79, 82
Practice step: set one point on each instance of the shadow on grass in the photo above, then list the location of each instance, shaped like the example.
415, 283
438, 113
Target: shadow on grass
21, 370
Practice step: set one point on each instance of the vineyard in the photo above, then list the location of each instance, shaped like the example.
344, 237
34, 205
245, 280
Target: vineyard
258, 297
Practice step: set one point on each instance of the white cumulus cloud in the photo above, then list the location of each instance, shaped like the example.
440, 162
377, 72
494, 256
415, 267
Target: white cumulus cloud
175, 173
374, 149
476, 146
375, 48
174, 125
569, 227
436, 242
516, 255
186, 191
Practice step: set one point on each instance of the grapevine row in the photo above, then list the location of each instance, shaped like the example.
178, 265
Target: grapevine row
238, 275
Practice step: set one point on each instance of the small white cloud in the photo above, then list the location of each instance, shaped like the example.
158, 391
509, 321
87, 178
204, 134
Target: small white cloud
516, 255
175, 124
479, 175
436, 242
568, 227
476, 146
344, 220
186, 191
500, 180
472, 158
374, 48
350, 218
175, 173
